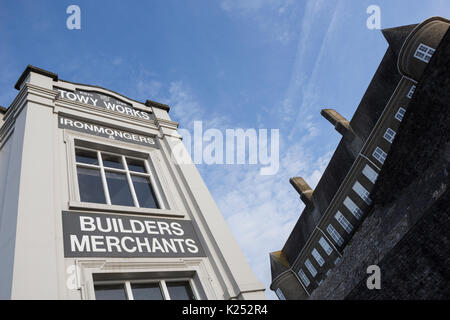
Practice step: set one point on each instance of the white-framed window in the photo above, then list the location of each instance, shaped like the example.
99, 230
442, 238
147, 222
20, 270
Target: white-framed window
310, 267
362, 192
304, 277
353, 208
424, 52
94, 272
335, 235
400, 114
380, 155
389, 135
411, 92
370, 174
345, 224
318, 257
112, 178
145, 290
280, 294
325, 246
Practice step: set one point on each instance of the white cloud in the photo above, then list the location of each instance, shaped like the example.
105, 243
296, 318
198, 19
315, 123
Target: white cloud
186, 108
319, 21
149, 88
275, 18
260, 210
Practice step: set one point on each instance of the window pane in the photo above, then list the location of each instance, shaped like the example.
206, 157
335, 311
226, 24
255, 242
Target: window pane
303, 276
112, 161
144, 192
180, 291
90, 185
325, 246
119, 190
136, 165
110, 292
310, 267
146, 291
86, 156
370, 174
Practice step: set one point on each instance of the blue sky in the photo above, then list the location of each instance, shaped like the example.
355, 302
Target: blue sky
230, 63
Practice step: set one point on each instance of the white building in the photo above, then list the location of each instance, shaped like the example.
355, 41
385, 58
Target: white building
93, 205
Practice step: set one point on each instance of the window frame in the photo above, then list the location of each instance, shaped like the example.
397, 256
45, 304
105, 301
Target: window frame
351, 206
303, 277
195, 269
411, 92
343, 221
126, 171
424, 52
362, 192
153, 158
280, 294
400, 114
335, 235
389, 135
162, 283
312, 270
380, 155
319, 259
370, 173
325, 246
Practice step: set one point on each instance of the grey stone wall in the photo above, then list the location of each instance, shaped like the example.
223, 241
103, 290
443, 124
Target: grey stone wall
406, 233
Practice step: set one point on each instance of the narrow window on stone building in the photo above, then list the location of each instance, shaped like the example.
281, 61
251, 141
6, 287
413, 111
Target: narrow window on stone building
318, 257
353, 208
380, 155
411, 92
335, 235
280, 294
303, 277
345, 224
400, 114
310, 268
325, 246
389, 135
370, 173
362, 192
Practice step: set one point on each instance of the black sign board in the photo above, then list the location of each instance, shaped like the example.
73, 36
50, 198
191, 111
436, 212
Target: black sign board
102, 235
102, 131
103, 101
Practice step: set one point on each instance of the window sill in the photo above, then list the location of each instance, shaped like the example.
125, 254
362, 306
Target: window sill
87, 206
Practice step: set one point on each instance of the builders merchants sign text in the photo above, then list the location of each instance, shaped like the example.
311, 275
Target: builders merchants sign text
102, 235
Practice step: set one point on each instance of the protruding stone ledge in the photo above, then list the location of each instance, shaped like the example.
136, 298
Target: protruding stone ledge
303, 188
341, 124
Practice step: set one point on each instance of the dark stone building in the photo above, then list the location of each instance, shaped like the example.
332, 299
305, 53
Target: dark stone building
381, 201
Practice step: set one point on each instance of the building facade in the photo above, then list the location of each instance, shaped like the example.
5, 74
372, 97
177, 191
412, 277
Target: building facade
342, 199
95, 205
